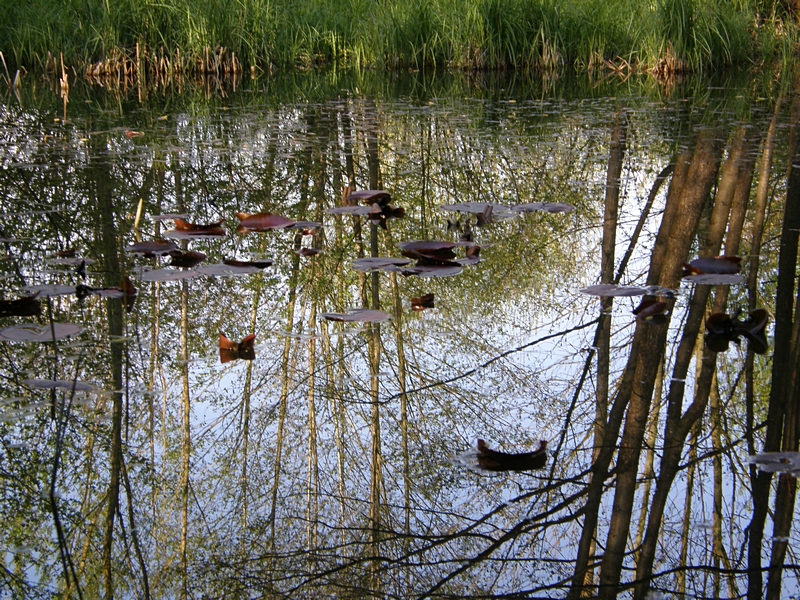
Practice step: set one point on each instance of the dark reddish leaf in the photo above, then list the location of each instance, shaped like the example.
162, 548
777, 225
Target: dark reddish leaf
258, 264
68, 253
181, 225
229, 350
308, 252
27, 306
262, 222
492, 460
651, 310
720, 265
423, 302
187, 259
133, 134
722, 329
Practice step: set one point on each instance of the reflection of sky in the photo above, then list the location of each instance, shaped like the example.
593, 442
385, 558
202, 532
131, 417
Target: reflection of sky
526, 288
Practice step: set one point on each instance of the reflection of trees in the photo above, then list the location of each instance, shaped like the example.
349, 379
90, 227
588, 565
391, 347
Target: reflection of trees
321, 467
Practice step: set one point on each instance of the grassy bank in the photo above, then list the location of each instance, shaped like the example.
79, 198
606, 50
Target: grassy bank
189, 35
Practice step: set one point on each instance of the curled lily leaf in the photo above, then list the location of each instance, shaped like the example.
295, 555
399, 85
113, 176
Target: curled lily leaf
262, 222
186, 259
230, 350
152, 248
719, 265
423, 302
362, 315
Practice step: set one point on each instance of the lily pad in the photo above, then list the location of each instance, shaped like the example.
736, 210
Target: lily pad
777, 462
714, 279
48, 384
350, 210
262, 222
152, 248
606, 290
168, 275
39, 333
426, 271
362, 315
50, 290
379, 264
550, 207
225, 270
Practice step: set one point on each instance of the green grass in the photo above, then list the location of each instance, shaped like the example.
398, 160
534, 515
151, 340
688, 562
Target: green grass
417, 34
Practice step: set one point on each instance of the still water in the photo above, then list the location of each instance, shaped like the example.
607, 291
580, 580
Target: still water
334, 454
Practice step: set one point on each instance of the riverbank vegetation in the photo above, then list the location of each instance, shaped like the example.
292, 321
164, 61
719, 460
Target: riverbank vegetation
251, 36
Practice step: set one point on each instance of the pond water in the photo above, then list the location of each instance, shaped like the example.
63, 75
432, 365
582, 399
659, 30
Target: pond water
335, 454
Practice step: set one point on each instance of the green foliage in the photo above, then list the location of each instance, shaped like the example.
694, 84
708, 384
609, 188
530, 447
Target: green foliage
694, 35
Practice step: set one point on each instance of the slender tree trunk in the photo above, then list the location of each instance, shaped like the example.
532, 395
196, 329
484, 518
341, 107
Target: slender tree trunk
781, 369
186, 437
702, 174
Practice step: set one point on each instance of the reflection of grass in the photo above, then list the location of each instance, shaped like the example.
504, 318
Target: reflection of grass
481, 34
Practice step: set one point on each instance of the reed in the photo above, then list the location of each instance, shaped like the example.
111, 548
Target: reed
98, 37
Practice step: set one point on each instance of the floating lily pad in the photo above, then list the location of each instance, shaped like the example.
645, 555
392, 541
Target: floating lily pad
425, 271
169, 217
262, 222
168, 275
606, 290
152, 248
206, 234
350, 210
309, 226
362, 315
368, 196
719, 265
476, 208
39, 333
48, 290
48, 384
777, 462
379, 264
550, 207
714, 279
225, 270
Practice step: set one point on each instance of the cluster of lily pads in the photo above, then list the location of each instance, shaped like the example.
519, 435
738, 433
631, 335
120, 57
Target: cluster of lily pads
721, 328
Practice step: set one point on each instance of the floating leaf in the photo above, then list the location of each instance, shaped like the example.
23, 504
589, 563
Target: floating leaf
486, 459
133, 134
187, 259
605, 290
379, 263
550, 207
430, 250
258, 264
227, 270
48, 384
357, 315
229, 350
473, 256
723, 329
169, 217
262, 222
714, 279
74, 261
368, 196
479, 208
422, 303
168, 275
307, 227
307, 252
152, 248
652, 310
777, 462
182, 225
719, 265
27, 306
439, 270
350, 210
39, 333
48, 290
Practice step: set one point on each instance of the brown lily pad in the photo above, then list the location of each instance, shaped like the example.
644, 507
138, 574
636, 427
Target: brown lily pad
230, 350
152, 248
262, 222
